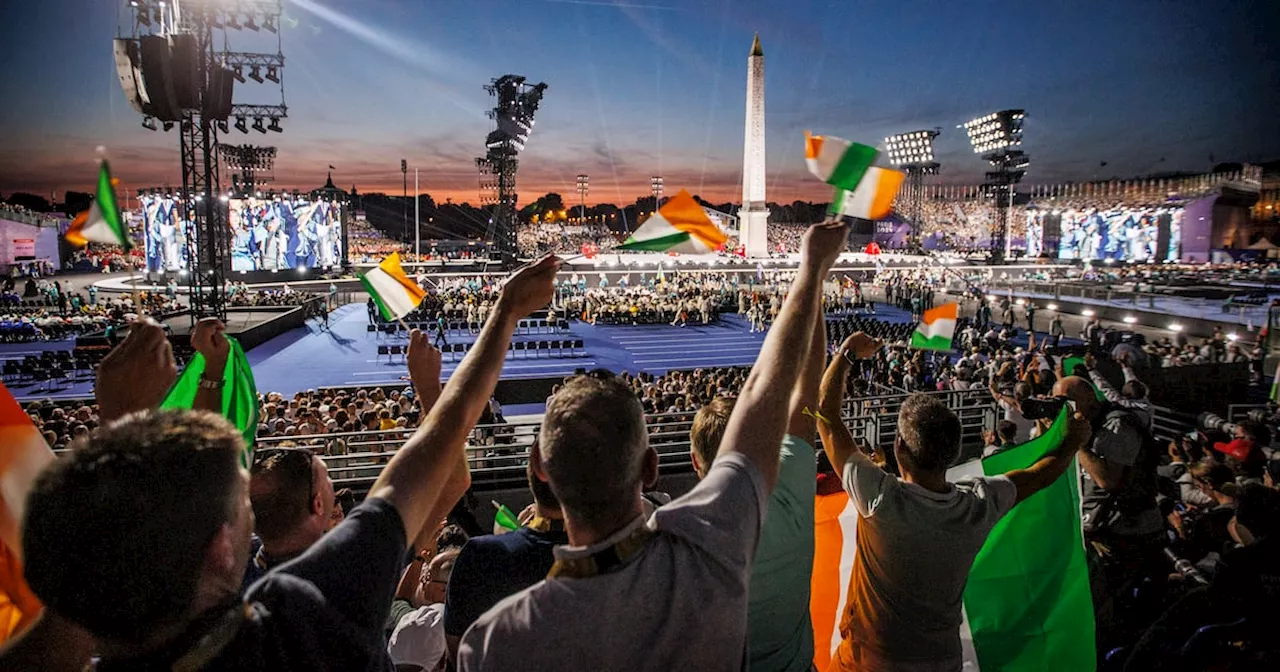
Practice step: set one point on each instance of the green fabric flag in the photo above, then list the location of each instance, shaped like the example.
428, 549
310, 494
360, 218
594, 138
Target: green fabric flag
504, 517
1027, 600
1069, 363
239, 394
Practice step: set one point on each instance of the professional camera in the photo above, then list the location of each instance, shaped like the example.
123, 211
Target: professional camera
1039, 409
1212, 422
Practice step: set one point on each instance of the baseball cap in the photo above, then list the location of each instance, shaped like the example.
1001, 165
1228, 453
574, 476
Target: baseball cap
418, 639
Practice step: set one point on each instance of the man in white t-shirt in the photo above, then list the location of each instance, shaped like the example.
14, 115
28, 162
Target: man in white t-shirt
917, 534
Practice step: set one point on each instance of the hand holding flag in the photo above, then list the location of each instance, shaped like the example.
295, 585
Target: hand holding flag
862, 190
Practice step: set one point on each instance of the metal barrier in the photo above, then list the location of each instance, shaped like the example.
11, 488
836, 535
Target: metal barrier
497, 454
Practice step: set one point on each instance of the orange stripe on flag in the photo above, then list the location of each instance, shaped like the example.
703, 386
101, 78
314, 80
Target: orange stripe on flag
812, 145
948, 311
828, 548
684, 213
73, 235
886, 190
392, 267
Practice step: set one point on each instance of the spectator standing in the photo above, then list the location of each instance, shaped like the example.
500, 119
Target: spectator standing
624, 587
917, 534
293, 499
779, 629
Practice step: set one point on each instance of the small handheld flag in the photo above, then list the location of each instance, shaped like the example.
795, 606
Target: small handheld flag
680, 226
937, 329
239, 394
393, 291
862, 190
102, 222
504, 517
873, 197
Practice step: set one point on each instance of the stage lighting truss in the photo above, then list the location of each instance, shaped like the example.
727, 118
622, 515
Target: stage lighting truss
248, 157
996, 131
913, 150
260, 115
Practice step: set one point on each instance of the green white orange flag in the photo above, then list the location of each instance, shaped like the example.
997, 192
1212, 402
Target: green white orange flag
681, 225
872, 198
837, 161
102, 222
239, 394
1027, 604
23, 454
937, 328
1275, 385
394, 292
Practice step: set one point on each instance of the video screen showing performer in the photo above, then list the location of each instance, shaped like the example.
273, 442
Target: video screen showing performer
166, 232
278, 234
1122, 235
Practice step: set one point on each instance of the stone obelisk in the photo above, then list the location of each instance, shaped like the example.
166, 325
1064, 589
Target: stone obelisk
753, 217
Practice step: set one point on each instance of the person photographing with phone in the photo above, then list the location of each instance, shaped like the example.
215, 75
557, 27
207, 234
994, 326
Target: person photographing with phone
918, 534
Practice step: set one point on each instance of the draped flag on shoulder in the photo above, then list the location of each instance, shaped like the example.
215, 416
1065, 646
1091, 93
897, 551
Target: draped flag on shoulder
1027, 604
393, 291
24, 455
681, 225
861, 189
937, 328
102, 222
239, 394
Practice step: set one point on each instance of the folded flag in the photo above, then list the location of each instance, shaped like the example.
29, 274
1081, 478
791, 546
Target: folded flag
393, 291
504, 518
24, 455
681, 225
102, 222
239, 394
1027, 604
837, 161
872, 198
937, 328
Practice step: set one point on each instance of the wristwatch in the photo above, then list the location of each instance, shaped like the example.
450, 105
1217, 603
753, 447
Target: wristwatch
207, 384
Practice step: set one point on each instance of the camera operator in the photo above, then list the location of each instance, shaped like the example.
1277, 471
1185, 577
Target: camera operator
1203, 530
1124, 531
1184, 452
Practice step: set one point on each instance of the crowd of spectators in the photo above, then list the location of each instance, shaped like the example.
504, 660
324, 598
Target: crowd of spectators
46, 311
534, 239
107, 258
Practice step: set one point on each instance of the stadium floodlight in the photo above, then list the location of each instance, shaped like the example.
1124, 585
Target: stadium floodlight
995, 131
912, 150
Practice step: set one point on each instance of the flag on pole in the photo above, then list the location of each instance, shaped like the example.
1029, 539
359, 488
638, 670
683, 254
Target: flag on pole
680, 225
24, 456
1027, 604
837, 161
102, 222
937, 328
393, 291
239, 394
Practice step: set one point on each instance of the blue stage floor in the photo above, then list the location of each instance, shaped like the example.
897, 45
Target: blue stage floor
346, 354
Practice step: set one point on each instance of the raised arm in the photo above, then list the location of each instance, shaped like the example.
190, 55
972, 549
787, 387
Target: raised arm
415, 479
805, 394
837, 442
1047, 469
760, 416
137, 374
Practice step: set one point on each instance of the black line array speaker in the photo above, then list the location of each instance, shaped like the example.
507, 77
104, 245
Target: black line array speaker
157, 73
184, 68
217, 100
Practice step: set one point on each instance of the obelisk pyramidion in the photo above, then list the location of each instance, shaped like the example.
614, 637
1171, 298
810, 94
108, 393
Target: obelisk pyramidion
753, 217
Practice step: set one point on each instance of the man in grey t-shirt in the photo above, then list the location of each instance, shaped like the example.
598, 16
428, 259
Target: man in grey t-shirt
917, 534
669, 592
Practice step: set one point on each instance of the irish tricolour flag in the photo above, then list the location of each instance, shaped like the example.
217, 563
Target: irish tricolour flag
861, 189
393, 291
1027, 606
937, 328
102, 222
679, 226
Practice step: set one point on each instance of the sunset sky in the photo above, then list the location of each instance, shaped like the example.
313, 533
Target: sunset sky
657, 87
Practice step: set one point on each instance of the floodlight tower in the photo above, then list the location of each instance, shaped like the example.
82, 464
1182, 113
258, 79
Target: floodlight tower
513, 114
583, 188
913, 153
994, 136
249, 160
176, 67
655, 186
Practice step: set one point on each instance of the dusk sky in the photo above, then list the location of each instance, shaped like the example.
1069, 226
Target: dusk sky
658, 86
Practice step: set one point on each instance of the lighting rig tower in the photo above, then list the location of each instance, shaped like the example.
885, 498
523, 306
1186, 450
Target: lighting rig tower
913, 153
583, 187
655, 185
248, 160
171, 71
513, 115
994, 136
